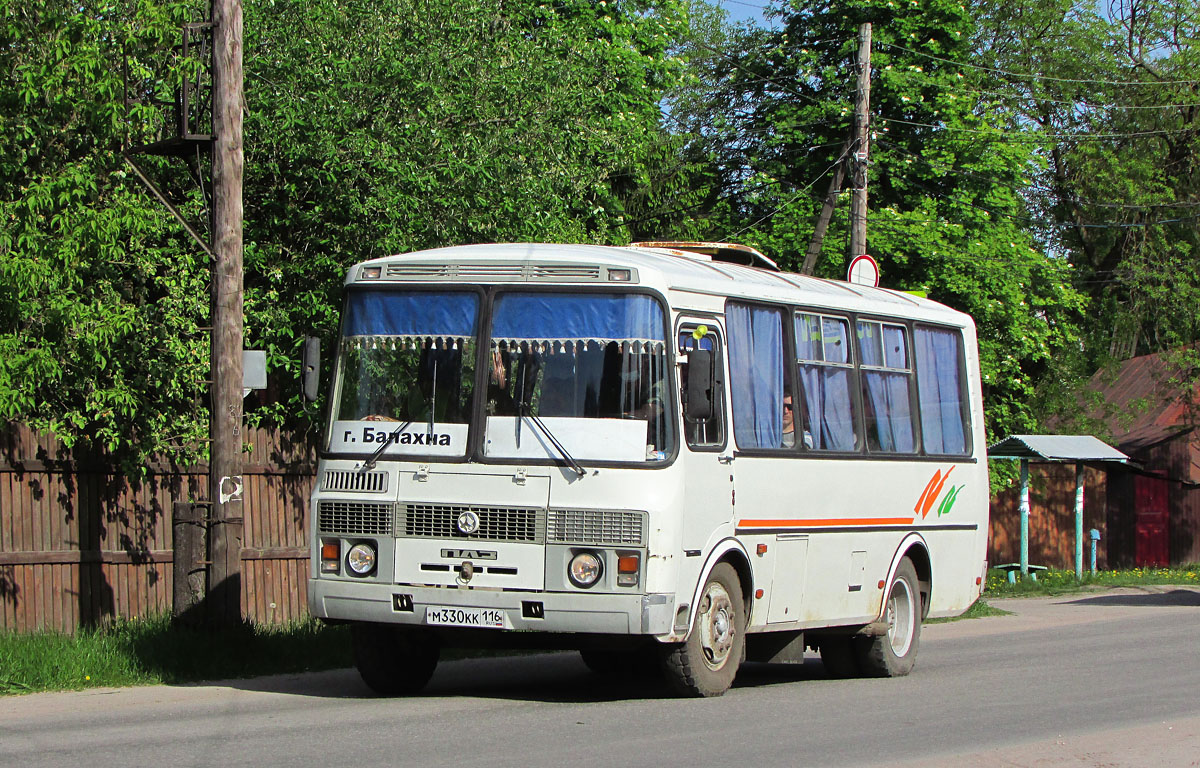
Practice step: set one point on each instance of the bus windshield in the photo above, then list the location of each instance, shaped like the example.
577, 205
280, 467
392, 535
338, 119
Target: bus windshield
566, 375
406, 373
590, 367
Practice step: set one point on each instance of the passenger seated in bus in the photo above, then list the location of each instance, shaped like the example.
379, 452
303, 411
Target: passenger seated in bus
789, 425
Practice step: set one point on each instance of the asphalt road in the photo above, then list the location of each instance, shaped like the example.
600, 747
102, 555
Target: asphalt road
1108, 679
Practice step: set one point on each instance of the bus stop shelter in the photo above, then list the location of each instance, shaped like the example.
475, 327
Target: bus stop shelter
1083, 450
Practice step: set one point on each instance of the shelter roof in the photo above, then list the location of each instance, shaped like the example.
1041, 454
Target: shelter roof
1056, 448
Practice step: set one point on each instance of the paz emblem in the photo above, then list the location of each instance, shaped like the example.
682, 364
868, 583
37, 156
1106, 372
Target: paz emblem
467, 523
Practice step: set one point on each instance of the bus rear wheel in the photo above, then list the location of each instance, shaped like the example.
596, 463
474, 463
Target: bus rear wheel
707, 662
392, 661
894, 653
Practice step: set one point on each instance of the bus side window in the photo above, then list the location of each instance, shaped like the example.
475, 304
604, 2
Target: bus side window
702, 430
826, 373
942, 391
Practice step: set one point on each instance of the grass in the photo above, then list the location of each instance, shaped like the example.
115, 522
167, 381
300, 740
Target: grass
1054, 582
156, 650
978, 610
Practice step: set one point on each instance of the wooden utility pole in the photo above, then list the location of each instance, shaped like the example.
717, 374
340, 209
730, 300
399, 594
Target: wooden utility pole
858, 176
854, 154
835, 188
225, 463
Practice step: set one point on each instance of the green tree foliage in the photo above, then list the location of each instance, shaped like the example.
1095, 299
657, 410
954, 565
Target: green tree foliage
947, 213
371, 128
377, 128
1111, 93
1032, 163
99, 297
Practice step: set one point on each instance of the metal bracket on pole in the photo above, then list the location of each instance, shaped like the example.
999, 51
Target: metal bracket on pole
150, 185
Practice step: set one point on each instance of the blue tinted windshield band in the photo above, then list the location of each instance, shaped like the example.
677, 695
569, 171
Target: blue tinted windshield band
393, 313
549, 317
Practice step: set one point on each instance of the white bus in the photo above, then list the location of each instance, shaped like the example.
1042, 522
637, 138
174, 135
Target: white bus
648, 454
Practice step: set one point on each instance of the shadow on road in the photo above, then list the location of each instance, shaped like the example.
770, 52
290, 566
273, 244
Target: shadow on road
548, 678
1170, 599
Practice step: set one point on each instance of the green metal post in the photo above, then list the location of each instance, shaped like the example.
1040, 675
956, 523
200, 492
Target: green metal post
1024, 517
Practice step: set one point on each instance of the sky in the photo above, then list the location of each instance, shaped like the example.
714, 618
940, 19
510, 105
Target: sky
744, 10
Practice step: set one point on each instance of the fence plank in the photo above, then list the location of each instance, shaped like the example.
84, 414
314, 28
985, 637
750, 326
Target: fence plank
7, 513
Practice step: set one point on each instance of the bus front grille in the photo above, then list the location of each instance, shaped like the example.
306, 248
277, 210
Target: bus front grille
440, 521
595, 526
354, 518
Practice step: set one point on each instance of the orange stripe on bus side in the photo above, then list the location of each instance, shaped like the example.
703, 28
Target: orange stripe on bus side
826, 522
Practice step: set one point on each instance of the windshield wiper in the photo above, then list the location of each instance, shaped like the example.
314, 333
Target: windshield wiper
432, 402
562, 451
383, 446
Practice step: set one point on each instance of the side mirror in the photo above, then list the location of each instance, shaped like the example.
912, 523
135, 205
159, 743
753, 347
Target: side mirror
700, 385
310, 367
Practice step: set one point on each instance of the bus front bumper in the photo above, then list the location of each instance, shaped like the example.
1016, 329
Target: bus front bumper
608, 614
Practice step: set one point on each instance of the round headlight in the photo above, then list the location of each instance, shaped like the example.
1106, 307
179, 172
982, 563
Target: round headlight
585, 569
361, 559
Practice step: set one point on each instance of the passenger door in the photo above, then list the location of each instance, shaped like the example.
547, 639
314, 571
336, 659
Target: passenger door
708, 470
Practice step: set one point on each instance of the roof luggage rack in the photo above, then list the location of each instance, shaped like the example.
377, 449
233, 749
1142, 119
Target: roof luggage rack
728, 252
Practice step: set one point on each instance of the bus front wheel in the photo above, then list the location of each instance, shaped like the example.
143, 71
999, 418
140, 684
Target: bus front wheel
894, 653
392, 661
706, 663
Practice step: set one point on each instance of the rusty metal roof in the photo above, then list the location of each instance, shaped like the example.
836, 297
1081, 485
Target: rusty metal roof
1056, 448
1143, 402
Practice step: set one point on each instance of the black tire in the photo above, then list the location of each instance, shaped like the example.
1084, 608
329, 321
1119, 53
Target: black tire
893, 654
391, 660
839, 656
707, 662
626, 664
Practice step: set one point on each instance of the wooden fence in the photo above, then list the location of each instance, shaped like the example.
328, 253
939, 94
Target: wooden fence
79, 543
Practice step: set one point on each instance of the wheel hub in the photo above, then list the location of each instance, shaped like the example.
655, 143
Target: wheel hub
716, 626
901, 617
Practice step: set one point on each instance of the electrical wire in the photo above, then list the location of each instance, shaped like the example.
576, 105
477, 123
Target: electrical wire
1033, 138
1038, 76
1080, 103
1039, 188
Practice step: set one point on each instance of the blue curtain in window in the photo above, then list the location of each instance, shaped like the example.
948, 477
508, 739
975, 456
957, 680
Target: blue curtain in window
940, 390
890, 425
825, 388
887, 397
411, 313
830, 414
756, 373
577, 317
